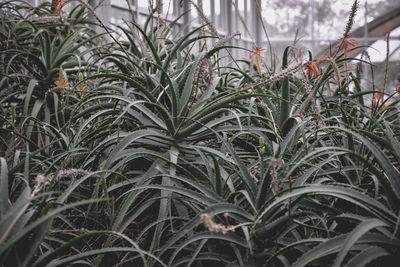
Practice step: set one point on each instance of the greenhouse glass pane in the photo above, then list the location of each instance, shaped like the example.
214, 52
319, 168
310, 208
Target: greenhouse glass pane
329, 17
143, 3
167, 7
207, 7
121, 3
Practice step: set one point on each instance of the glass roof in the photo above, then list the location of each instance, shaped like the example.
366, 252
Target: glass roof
320, 23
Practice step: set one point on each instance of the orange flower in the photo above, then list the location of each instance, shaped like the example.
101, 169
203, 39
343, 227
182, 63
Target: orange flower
61, 82
312, 68
398, 87
256, 54
378, 100
379, 95
347, 44
59, 5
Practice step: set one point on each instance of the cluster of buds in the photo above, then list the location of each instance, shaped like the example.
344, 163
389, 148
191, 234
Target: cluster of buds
81, 86
261, 145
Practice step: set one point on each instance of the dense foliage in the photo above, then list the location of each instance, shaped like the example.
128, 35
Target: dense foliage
160, 149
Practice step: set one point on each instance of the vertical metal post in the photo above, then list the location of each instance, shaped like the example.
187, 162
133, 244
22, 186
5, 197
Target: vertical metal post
212, 8
256, 23
228, 7
229, 21
136, 5
175, 8
236, 22
186, 17
365, 67
246, 15
312, 26
366, 24
236, 16
246, 10
176, 12
199, 4
222, 15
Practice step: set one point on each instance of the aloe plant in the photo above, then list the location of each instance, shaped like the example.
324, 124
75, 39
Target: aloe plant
158, 152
